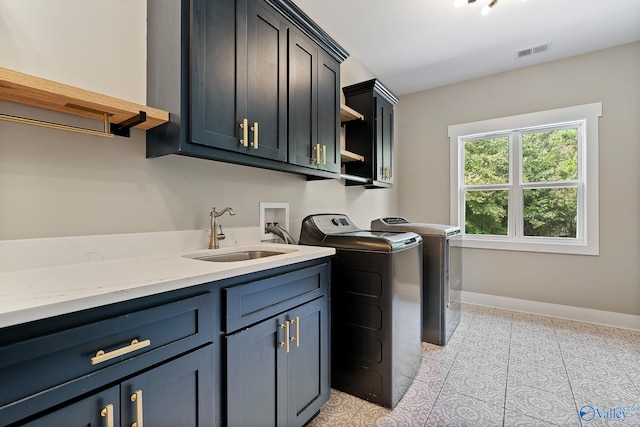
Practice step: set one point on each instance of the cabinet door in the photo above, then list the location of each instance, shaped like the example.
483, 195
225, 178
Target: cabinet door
383, 140
178, 393
314, 105
266, 76
84, 413
303, 106
239, 74
284, 388
308, 361
218, 95
256, 372
387, 145
329, 111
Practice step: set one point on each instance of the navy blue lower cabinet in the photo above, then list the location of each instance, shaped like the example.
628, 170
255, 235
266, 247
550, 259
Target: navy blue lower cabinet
81, 368
308, 361
278, 369
92, 411
178, 393
160, 357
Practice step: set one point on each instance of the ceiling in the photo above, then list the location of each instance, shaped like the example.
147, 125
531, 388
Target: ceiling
413, 45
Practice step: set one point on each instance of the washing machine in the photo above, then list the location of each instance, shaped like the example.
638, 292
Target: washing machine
442, 281
376, 285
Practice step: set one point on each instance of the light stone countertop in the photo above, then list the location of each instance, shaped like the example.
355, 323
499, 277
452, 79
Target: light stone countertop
38, 293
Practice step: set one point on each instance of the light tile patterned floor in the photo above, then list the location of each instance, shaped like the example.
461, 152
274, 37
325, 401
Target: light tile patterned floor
504, 368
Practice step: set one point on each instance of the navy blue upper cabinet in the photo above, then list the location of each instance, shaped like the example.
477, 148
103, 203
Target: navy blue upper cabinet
234, 109
222, 69
314, 113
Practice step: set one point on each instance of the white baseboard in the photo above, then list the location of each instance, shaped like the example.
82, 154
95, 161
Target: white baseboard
599, 317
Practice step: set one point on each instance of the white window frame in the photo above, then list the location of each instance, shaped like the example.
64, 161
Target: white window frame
587, 240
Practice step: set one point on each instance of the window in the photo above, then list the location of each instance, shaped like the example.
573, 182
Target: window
528, 182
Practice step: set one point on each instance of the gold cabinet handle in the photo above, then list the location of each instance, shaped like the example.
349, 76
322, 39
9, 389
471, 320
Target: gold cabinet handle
285, 343
317, 154
386, 172
101, 356
296, 339
137, 398
254, 129
245, 132
107, 412
324, 155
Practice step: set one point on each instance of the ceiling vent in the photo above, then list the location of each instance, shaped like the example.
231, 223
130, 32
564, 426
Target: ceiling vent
533, 50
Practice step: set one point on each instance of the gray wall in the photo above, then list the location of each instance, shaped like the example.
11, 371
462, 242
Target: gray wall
55, 183
610, 281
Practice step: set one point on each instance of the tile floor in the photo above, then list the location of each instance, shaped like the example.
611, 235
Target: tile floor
504, 368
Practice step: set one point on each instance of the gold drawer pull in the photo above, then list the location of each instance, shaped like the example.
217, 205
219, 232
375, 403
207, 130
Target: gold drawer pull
245, 132
137, 398
254, 129
107, 412
285, 343
296, 322
101, 356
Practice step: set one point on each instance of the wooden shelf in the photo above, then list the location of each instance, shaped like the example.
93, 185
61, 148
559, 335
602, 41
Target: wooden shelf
348, 156
37, 92
348, 114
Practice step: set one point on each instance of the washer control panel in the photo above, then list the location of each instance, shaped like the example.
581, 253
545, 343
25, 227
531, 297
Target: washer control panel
334, 224
394, 220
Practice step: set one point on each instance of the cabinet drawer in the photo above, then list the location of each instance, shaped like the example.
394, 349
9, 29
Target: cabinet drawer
252, 302
49, 361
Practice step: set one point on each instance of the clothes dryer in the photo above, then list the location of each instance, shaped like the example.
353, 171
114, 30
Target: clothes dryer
442, 280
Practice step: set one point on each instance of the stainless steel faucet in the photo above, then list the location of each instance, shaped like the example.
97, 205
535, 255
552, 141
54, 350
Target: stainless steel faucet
215, 237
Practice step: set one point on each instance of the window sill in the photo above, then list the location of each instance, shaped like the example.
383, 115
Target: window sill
559, 246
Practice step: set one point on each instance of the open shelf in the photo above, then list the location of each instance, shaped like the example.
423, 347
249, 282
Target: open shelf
118, 115
348, 114
348, 156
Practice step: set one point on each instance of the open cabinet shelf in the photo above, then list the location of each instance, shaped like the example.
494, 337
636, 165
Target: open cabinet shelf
118, 115
348, 114
348, 156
